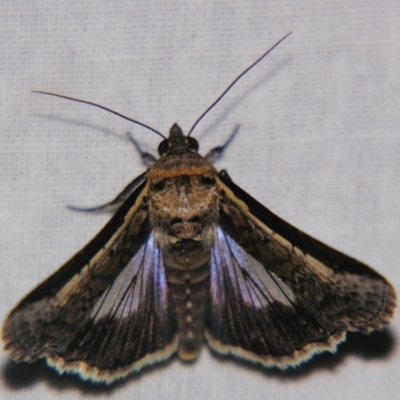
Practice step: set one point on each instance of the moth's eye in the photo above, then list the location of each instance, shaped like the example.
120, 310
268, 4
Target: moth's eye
158, 186
163, 147
206, 180
193, 143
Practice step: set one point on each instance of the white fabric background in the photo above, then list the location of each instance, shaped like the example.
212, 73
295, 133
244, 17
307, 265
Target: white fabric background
319, 145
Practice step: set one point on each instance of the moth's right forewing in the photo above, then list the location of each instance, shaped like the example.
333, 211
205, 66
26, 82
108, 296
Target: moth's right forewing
107, 311
333, 292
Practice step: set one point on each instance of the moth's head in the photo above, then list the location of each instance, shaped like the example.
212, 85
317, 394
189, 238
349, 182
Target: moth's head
177, 143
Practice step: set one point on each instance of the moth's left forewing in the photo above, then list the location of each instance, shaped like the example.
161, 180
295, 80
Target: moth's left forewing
107, 311
278, 295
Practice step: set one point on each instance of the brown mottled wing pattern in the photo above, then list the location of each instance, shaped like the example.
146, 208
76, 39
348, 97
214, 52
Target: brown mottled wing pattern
107, 311
277, 295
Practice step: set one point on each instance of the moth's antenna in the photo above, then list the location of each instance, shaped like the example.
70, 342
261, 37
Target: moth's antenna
227, 89
103, 108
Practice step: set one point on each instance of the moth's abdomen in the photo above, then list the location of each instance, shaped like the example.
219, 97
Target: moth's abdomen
188, 277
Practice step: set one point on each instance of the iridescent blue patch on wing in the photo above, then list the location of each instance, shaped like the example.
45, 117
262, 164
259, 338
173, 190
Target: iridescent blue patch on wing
253, 314
133, 321
232, 266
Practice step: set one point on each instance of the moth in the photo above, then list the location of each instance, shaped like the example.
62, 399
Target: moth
188, 256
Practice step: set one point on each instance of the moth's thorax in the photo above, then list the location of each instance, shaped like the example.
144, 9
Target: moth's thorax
174, 165
183, 196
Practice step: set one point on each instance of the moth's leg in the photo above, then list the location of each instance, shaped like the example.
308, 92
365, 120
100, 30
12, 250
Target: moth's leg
116, 203
146, 157
225, 174
216, 151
